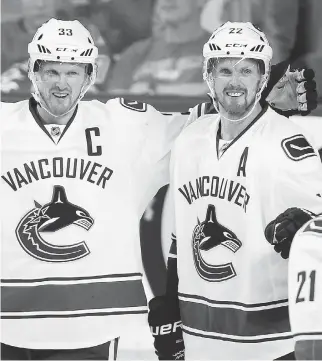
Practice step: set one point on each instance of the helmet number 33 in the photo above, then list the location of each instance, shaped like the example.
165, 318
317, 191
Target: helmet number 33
63, 31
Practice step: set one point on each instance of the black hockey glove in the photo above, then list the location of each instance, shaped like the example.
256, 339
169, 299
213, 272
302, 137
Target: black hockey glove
165, 325
291, 92
281, 231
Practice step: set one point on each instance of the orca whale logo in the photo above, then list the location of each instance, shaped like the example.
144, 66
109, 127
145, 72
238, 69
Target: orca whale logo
55, 215
207, 235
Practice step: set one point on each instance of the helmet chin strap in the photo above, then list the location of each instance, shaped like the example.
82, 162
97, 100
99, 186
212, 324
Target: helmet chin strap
257, 98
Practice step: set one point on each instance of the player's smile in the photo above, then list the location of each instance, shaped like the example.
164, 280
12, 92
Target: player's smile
60, 95
61, 99
234, 94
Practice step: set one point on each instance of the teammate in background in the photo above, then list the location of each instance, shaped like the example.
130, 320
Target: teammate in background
231, 174
305, 298
76, 178
296, 233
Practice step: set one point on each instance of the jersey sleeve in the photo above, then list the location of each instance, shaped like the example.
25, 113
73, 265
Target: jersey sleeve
305, 291
164, 129
312, 128
291, 176
154, 132
150, 135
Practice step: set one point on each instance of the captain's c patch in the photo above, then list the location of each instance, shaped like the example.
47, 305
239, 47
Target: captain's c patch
297, 147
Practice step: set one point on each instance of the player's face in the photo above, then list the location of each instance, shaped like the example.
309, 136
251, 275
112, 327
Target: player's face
236, 83
60, 85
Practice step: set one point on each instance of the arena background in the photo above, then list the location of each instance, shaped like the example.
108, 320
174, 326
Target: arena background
150, 52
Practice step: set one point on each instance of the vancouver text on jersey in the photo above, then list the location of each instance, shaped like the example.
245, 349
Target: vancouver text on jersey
57, 167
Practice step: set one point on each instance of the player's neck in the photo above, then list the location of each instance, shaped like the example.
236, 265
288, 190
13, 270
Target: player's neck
183, 32
50, 119
231, 129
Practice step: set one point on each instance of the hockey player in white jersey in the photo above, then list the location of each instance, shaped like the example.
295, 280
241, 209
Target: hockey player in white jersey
75, 180
297, 235
231, 175
305, 292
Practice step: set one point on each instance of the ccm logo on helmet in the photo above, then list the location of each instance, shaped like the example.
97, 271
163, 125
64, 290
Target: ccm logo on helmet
165, 329
67, 49
236, 45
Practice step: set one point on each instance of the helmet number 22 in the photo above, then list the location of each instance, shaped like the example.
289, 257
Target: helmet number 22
67, 32
235, 30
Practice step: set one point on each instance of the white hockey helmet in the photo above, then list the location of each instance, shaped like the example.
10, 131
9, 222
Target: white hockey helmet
239, 40
62, 41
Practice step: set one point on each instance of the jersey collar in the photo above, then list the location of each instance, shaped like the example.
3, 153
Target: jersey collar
34, 111
263, 111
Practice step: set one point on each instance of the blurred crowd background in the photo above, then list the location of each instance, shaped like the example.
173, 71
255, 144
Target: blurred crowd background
152, 49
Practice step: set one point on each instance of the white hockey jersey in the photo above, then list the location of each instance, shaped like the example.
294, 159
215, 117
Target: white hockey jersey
305, 291
312, 128
71, 204
232, 284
